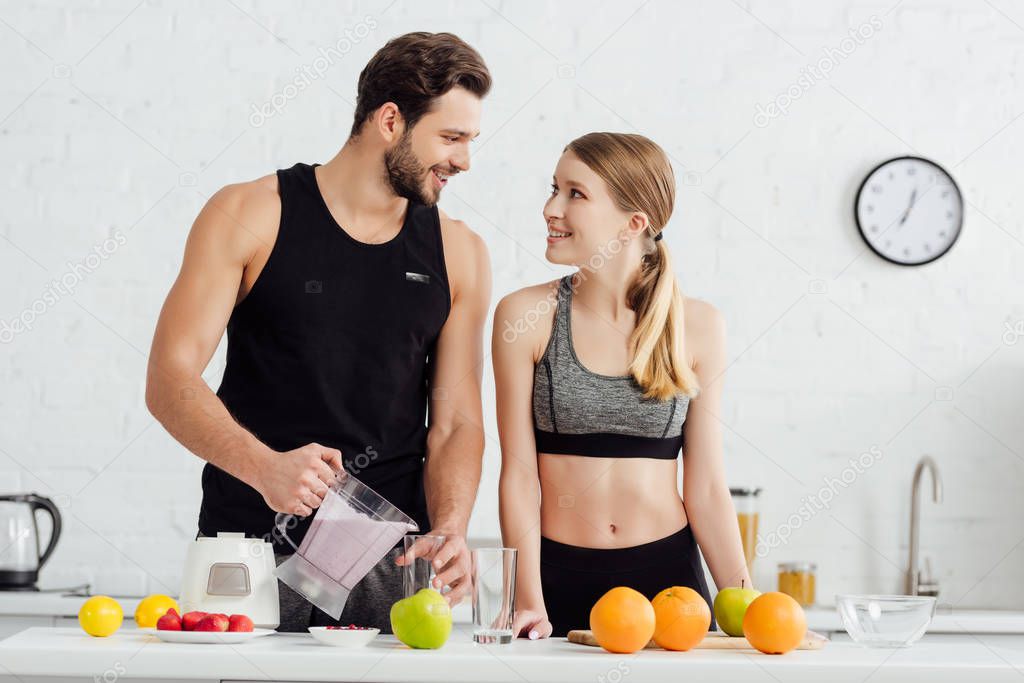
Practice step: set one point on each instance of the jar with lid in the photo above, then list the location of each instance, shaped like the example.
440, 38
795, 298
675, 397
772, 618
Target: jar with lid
796, 579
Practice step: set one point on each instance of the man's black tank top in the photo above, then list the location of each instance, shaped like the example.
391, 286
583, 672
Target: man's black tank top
333, 345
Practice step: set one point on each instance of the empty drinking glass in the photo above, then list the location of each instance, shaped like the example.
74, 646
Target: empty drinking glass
494, 594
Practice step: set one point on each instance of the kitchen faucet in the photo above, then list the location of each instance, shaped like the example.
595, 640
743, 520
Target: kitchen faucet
915, 586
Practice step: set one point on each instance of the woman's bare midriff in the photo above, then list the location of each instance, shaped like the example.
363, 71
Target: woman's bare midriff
596, 502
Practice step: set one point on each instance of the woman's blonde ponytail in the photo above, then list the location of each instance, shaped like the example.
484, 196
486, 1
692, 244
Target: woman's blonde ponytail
659, 364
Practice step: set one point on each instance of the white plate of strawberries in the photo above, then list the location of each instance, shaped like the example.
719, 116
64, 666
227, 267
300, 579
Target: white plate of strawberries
206, 627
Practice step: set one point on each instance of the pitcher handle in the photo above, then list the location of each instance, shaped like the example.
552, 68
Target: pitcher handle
282, 520
39, 502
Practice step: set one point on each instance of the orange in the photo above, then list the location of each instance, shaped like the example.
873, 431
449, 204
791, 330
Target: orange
682, 618
774, 623
622, 620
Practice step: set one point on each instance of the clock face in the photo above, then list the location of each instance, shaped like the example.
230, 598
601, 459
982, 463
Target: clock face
909, 210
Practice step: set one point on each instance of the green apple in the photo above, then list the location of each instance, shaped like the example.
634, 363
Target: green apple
423, 620
730, 606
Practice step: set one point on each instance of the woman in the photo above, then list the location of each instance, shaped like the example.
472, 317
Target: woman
598, 376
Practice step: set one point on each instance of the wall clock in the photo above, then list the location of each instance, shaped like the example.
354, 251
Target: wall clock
909, 210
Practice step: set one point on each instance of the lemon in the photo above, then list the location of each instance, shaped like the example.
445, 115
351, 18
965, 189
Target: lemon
100, 616
152, 607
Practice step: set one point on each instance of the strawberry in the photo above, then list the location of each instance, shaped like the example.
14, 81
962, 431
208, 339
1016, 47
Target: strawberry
213, 622
189, 621
239, 622
170, 621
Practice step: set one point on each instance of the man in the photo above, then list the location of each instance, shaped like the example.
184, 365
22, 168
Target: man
351, 303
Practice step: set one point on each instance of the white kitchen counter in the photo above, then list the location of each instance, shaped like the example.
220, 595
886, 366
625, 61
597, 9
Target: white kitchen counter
69, 654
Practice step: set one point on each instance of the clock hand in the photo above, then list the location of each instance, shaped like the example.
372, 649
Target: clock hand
913, 198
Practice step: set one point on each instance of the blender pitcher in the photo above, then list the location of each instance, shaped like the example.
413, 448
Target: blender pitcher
354, 528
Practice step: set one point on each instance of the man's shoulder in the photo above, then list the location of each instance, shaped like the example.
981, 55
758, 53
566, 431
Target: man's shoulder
465, 252
247, 213
250, 196
459, 234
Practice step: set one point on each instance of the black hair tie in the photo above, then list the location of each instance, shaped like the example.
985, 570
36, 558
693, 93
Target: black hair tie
657, 238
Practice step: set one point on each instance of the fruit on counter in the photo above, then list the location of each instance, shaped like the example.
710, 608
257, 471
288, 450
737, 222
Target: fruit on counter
170, 621
681, 618
423, 620
100, 616
622, 620
774, 623
152, 607
189, 620
730, 606
239, 622
213, 622
208, 621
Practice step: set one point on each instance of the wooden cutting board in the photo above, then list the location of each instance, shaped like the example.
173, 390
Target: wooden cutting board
715, 640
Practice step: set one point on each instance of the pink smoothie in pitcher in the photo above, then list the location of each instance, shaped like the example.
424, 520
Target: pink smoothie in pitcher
345, 544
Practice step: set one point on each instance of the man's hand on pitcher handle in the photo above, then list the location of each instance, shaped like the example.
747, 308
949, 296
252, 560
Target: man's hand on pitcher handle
295, 482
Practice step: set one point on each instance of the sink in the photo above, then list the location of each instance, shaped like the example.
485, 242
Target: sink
947, 619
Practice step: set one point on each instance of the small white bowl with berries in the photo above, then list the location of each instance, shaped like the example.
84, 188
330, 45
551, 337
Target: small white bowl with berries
344, 636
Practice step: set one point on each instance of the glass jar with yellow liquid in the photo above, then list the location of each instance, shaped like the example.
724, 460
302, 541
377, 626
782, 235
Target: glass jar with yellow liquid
745, 500
796, 579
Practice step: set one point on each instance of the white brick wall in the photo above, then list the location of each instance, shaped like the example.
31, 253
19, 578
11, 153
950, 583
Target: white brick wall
117, 120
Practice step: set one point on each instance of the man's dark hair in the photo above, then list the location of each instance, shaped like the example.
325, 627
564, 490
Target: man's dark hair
414, 69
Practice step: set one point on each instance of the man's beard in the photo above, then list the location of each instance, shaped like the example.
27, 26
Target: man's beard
406, 174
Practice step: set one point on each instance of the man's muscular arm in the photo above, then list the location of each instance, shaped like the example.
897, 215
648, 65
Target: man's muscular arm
238, 223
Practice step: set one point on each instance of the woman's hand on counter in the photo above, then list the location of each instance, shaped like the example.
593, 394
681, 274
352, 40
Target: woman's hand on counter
532, 624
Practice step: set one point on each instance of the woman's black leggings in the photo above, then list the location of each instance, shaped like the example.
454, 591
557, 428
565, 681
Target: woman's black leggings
573, 578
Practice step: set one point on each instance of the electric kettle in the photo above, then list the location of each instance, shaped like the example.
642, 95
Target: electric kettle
20, 559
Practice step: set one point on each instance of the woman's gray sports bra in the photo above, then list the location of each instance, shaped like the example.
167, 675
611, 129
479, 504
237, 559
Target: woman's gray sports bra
579, 412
